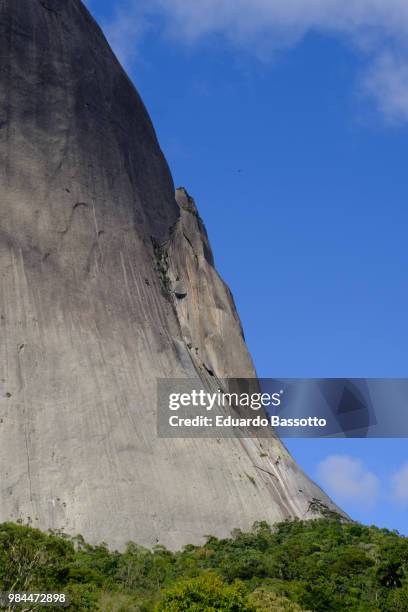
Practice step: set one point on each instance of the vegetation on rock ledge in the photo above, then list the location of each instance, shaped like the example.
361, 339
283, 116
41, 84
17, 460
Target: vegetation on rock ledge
322, 565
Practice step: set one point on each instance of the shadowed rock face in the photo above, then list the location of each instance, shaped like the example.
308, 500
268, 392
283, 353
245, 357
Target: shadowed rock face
106, 283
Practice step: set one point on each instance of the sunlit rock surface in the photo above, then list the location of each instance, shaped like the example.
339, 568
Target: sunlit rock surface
107, 282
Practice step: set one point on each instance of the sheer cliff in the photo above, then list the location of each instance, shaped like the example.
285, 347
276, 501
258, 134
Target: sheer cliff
107, 282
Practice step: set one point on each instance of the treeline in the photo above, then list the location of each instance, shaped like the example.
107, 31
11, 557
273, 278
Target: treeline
322, 566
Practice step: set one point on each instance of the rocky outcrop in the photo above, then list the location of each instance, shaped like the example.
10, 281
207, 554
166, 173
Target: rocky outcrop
107, 282
205, 308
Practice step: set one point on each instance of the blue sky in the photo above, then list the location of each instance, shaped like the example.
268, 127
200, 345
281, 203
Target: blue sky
289, 125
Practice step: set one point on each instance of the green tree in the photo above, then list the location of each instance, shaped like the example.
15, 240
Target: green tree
206, 593
264, 600
397, 600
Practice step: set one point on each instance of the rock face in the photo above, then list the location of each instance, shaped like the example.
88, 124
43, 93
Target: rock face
107, 282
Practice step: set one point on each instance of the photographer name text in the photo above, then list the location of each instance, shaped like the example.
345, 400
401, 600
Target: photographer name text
200, 421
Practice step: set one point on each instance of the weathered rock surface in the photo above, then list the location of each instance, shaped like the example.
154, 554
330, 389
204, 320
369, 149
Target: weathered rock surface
106, 283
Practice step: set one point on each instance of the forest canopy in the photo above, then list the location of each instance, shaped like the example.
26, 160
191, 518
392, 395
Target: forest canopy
321, 565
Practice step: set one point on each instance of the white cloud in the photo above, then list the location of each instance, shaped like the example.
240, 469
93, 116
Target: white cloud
124, 33
387, 81
242, 18
378, 30
400, 485
346, 479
